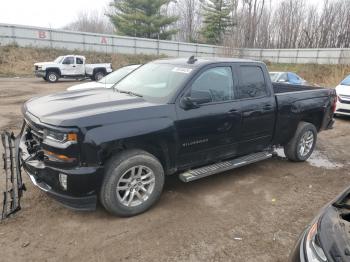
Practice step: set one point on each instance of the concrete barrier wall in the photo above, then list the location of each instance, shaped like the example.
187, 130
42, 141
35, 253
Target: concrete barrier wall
70, 40
54, 38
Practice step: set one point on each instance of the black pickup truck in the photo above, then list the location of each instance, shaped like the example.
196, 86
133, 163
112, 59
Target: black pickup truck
191, 117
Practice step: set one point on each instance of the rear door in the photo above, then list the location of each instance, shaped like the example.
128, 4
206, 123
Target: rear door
79, 66
211, 131
258, 106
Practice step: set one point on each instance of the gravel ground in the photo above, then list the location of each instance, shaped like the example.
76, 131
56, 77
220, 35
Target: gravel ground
254, 213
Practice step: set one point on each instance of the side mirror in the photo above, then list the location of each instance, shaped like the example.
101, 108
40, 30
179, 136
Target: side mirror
197, 98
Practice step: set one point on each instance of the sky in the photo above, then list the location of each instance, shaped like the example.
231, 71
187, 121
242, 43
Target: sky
49, 13
46, 13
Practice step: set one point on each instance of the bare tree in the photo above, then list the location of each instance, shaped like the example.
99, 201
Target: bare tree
93, 22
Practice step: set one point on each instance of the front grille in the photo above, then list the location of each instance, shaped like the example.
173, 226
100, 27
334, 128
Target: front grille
345, 96
344, 110
34, 136
36, 131
341, 99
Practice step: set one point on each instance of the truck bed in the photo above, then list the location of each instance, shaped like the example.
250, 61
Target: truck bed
286, 88
297, 103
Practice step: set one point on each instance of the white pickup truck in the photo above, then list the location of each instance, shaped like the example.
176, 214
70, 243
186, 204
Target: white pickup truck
71, 66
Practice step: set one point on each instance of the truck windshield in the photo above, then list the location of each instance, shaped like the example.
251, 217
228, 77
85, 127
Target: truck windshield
58, 59
154, 80
346, 81
118, 74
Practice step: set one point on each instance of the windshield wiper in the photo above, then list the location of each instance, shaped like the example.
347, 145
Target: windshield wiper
128, 92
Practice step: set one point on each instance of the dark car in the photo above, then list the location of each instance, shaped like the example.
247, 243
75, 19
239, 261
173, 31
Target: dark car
191, 117
327, 238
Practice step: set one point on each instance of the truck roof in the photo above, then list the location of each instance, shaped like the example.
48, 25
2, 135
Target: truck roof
200, 61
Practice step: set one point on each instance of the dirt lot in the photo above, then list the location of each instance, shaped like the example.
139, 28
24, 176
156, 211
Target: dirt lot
254, 213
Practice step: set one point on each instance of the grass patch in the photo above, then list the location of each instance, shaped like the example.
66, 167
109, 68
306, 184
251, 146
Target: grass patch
323, 75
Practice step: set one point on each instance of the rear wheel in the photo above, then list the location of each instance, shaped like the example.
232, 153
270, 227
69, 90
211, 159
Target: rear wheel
301, 146
52, 77
133, 182
98, 75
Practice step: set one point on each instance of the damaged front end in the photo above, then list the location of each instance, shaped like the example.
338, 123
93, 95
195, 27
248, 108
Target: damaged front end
327, 238
13, 183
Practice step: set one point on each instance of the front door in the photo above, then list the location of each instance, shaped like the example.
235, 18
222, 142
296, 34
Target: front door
68, 66
210, 131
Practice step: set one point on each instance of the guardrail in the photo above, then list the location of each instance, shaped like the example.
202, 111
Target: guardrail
71, 40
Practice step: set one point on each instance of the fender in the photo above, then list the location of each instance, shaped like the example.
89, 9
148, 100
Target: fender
99, 69
156, 136
55, 69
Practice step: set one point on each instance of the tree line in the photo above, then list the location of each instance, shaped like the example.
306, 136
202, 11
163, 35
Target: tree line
234, 23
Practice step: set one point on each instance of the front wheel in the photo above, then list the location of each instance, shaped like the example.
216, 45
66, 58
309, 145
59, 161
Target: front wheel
301, 146
52, 77
133, 183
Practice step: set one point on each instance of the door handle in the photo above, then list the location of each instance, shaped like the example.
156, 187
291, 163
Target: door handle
267, 107
73, 66
232, 112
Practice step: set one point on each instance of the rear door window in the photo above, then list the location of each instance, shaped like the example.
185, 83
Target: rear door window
80, 61
252, 83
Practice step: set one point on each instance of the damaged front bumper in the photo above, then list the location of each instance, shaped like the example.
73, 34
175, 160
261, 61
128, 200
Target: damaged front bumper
327, 238
47, 179
81, 182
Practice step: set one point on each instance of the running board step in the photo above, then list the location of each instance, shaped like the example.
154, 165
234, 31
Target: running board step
205, 171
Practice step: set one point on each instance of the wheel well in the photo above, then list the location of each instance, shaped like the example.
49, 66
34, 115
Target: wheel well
99, 69
154, 149
53, 69
314, 118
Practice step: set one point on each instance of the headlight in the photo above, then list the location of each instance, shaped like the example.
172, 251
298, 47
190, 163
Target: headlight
60, 137
314, 252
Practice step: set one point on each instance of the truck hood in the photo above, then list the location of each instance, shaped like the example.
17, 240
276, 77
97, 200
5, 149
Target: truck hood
84, 108
46, 64
89, 85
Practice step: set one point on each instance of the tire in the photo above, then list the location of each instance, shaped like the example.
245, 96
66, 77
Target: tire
302, 137
52, 77
98, 75
117, 172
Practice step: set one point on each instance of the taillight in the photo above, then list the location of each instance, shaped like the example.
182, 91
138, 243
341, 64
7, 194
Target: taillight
334, 106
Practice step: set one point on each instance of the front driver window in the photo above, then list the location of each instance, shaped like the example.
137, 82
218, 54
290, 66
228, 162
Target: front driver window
216, 83
68, 60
